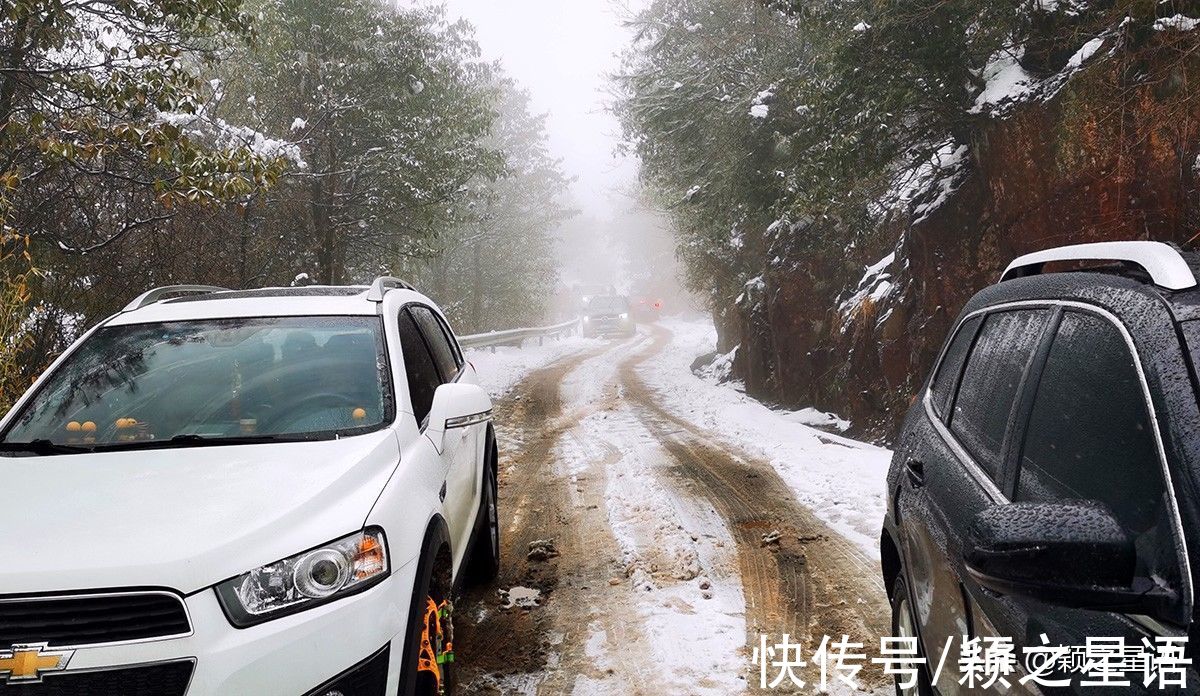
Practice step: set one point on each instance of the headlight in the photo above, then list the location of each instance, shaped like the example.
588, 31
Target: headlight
586, 318
320, 575
624, 316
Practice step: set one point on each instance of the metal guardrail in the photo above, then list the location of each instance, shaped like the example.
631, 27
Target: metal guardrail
516, 337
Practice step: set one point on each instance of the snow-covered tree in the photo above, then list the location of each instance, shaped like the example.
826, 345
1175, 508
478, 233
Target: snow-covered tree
94, 96
390, 108
702, 99
496, 268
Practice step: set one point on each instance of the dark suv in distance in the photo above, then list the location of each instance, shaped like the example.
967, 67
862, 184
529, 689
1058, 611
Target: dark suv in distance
1045, 484
608, 315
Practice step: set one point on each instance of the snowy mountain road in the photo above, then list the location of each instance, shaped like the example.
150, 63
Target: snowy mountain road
649, 555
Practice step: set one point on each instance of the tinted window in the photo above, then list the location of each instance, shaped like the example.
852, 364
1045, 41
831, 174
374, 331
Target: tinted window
608, 304
1090, 435
951, 367
439, 344
459, 361
423, 378
990, 382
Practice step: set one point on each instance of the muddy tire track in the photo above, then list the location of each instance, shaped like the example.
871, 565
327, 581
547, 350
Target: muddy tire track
544, 650
529, 422
811, 582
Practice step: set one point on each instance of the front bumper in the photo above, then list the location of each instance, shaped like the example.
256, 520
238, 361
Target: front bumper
289, 656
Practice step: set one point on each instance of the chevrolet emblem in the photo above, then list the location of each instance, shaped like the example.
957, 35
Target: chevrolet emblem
24, 663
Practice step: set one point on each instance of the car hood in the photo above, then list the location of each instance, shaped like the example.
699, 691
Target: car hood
181, 518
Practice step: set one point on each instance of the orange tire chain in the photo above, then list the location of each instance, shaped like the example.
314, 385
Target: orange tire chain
436, 650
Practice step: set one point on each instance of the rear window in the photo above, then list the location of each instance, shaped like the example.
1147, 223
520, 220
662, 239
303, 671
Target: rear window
608, 305
951, 366
437, 340
991, 381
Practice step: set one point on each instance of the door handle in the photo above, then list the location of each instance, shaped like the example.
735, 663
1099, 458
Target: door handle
915, 470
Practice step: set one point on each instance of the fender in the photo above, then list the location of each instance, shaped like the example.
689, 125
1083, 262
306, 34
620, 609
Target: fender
408, 501
490, 467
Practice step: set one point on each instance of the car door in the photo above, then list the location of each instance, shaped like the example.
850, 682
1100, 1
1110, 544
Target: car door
460, 445
955, 472
1090, 435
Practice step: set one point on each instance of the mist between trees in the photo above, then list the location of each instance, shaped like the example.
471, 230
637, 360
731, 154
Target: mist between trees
257, 143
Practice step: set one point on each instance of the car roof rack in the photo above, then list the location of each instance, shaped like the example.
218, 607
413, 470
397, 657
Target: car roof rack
384, 283
1164, 263
151, 296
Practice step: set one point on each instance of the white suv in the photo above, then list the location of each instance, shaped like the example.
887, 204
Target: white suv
246, 493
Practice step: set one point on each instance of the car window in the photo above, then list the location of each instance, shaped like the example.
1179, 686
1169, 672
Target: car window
608, 304
1090, 436
439, 344
419, 366
148, 384
990, 382
459, 360
948, 372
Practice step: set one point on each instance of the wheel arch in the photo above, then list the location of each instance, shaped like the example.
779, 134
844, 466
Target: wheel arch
435, 550
491, 450
889, 560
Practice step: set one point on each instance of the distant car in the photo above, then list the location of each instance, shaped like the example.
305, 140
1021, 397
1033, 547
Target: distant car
246, 492
1044, 486
608, 315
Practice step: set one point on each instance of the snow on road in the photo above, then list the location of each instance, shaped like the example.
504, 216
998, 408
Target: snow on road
678, 556
627, 461
503, 367
841, 480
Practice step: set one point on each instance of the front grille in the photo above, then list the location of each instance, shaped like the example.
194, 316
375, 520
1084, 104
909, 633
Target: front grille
90, 619
164, 679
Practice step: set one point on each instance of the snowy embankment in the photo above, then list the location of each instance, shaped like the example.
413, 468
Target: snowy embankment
499, 371
841, 480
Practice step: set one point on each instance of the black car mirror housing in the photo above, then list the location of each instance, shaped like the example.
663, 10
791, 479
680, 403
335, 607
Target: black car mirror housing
1072, 555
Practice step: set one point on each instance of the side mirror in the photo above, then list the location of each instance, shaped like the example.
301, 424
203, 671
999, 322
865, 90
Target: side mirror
1070, 555
456, 406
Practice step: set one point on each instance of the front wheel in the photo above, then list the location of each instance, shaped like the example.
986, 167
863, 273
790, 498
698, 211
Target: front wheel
435, 649
904, 625
428, 665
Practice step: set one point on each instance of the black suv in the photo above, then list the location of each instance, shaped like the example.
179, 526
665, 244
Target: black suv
1044, 486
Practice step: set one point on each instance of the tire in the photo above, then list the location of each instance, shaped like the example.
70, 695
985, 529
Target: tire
484, 564
432, 592
904, 625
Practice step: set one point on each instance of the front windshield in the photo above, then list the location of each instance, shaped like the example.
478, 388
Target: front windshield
608, 305
291, 377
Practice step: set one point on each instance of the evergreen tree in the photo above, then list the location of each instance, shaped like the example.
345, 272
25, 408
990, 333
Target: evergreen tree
497, 268
93, 98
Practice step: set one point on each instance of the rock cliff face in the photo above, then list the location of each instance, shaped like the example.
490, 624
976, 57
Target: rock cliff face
1099, 159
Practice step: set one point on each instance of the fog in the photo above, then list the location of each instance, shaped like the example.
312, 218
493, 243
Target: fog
563, 54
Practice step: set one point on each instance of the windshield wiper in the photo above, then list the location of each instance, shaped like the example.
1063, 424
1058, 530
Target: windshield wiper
194, 440
43, 448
